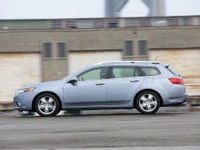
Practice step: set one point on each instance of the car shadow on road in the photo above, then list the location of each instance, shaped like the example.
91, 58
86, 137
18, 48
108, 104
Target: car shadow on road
106, 114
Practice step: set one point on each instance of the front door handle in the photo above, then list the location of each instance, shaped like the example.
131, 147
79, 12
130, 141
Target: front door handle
99, 84
136, 80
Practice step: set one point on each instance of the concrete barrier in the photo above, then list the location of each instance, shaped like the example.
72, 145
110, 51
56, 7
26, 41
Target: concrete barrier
6, 105
193, 101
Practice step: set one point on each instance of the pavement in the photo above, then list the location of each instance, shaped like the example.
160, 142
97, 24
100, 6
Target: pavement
170, 128
128, 148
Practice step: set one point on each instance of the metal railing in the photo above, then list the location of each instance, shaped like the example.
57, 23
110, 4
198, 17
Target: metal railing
101, 23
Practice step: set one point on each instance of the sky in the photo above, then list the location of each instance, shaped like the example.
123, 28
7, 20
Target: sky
35, 9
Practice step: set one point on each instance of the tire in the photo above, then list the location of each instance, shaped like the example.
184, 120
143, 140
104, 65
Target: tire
148, 102
47, 105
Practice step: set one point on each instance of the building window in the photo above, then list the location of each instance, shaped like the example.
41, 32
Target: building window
187, 21
61, 49
142, 47
47, 50
71, 24
56, 24
198, 21
129, 48
173, 21
98, 23
113, 23
145, 22
85, 24
132, 23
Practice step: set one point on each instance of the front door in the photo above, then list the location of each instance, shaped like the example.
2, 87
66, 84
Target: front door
122, 86
89, 91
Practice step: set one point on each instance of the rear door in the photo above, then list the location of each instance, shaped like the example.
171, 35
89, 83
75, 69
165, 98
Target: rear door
122, 85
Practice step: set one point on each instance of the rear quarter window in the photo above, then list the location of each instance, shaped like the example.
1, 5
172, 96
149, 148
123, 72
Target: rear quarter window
150, 71
170, 70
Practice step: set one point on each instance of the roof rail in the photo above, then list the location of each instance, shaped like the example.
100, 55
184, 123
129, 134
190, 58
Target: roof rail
116, 62
155, 62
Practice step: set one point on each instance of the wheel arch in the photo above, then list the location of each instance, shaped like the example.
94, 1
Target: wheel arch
44, 93
134, 99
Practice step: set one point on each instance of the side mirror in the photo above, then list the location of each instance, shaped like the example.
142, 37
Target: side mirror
73, 80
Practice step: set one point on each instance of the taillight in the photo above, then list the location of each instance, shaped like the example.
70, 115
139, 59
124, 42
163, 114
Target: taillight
176, 80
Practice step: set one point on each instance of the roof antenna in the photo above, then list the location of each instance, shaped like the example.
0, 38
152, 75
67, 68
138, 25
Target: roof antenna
156, 59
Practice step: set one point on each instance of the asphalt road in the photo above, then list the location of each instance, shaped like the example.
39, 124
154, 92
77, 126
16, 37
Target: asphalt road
121, 129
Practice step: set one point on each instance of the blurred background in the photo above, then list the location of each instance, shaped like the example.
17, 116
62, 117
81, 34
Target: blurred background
47, 40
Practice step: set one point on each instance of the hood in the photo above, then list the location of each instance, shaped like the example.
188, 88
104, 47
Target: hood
45, 84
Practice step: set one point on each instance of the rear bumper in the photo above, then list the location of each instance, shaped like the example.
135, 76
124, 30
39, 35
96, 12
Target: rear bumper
177, 100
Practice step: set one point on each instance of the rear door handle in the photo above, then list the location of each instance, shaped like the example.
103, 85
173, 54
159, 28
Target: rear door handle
136, 80
99, 84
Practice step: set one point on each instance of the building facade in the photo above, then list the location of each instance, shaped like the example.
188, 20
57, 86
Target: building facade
31, 54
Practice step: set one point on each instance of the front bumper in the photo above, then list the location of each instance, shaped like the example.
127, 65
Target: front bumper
23, 102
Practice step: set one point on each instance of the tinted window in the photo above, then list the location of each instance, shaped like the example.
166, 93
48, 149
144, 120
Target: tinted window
123, 72
150, 71
47, 50
94, 74
61, 50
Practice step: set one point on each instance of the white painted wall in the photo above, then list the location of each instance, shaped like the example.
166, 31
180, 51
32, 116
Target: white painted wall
185, 63
18, 70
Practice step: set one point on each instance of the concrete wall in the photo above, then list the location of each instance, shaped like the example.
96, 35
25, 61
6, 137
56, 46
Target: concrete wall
185, 62
99, 39
54, 69
18, 70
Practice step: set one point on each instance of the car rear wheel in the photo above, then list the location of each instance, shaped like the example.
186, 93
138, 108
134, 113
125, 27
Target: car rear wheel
148, 102
47, 105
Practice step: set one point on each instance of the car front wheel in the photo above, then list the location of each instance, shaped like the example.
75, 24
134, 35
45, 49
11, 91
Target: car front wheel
148, 102
47, 105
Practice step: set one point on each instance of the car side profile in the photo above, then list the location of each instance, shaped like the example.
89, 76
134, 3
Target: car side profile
146, 86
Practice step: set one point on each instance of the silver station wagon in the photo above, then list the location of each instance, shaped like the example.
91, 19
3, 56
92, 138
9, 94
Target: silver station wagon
145, 86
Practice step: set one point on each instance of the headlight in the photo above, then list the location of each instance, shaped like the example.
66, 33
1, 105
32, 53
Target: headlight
25, 90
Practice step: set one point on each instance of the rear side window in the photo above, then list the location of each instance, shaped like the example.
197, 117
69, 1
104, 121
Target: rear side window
150, 71
122, 72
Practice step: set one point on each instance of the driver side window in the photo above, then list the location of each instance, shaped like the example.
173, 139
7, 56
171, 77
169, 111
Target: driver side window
94, 74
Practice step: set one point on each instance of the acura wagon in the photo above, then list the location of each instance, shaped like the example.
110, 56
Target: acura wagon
146, 86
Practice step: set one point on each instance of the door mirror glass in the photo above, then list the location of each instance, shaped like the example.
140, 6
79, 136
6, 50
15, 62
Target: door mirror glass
72, 80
